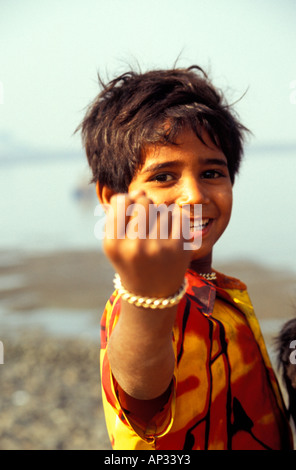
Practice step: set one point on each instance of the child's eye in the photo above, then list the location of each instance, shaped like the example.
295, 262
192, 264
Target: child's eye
163, 178
212, 174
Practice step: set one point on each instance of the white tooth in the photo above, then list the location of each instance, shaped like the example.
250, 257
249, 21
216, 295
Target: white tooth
198, 224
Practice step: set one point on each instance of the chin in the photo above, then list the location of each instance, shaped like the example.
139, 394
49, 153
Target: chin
200, 255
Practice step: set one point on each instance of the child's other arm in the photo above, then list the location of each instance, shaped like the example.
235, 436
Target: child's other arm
140, 349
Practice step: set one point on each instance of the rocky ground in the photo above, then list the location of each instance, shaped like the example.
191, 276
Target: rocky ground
50, 395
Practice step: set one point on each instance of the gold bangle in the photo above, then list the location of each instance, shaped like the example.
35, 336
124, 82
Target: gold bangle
149, 302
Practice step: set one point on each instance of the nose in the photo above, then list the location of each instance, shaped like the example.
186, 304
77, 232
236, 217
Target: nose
193, 192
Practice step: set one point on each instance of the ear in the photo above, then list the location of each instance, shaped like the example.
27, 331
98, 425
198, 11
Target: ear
104, 194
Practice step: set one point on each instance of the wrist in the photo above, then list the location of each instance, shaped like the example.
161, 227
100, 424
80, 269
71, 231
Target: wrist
150, 302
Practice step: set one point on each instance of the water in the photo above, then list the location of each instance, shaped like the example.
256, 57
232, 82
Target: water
39, 210
65, 323
263, 224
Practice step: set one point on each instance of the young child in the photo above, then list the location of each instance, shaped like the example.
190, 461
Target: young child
183, 361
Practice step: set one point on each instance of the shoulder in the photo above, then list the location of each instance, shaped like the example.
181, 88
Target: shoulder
228, 282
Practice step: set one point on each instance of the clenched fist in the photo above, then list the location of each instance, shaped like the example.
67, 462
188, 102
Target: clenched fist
145, 243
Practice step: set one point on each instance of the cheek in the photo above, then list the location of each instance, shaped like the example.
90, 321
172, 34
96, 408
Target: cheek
161, 197
225, 203
229, 204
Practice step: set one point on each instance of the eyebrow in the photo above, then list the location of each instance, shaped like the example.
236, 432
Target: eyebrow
174, 164
215, 161
160, 166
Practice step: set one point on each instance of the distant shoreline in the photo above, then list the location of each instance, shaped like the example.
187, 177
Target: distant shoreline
82, 280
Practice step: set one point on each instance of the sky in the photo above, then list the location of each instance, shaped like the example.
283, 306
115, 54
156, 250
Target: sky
51, 52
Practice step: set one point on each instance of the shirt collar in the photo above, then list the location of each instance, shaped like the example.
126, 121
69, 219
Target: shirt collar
204, 292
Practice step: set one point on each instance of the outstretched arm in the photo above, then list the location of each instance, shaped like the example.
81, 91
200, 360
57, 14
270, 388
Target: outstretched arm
140, 349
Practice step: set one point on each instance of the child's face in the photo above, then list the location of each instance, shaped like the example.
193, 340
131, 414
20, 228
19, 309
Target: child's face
186, 174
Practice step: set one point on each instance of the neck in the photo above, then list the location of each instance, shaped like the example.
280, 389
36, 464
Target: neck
203, 265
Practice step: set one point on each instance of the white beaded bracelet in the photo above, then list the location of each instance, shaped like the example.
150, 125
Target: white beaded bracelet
149, 302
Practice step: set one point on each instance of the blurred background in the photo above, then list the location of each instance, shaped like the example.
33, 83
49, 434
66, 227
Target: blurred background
54, 278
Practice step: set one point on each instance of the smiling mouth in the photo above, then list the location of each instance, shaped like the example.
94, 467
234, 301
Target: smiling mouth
198, 225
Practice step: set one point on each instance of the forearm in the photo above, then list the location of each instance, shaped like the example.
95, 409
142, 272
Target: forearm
140, 350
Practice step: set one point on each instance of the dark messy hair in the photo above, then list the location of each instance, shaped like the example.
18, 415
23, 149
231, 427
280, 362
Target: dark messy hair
138, 109
283, 350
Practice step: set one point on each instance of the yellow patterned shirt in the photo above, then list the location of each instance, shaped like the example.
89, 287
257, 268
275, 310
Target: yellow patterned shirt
224, 394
